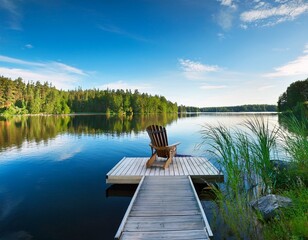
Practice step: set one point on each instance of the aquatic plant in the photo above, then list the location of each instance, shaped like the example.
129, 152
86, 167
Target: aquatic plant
248, 160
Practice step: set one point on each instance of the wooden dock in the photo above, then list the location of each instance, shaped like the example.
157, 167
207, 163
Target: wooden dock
131, 170
164, 207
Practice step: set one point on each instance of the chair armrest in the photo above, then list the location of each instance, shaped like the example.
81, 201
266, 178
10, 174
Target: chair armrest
166, 147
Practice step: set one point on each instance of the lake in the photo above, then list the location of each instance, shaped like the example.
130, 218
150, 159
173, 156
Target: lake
53, 168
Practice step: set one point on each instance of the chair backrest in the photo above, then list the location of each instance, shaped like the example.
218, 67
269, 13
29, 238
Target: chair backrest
158, 135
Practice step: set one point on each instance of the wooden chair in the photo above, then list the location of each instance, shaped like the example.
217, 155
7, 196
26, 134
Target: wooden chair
159, 145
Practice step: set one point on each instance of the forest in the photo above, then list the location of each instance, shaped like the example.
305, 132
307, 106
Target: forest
17, 97
295, 97
242, 108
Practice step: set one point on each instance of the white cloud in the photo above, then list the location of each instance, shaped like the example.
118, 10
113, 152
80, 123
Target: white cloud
212, 87
262, 88
196, 70
14, 13
59, 74
19, 61
297, 67
191, 66
57, 66
67, 68
59, 79
228, 3
221, 36
29, 46
243, 26
266, 14
116, 30
225, 18
124, 85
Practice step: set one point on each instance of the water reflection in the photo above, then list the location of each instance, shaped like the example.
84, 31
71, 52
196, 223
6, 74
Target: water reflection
16, 130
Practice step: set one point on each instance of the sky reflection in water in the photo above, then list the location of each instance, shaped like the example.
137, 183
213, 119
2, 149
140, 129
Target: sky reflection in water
52, 177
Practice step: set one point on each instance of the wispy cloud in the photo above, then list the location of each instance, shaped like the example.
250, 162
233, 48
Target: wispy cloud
14, 13
125, 85
225, 18
19, 61
266, 14
195, 70
265, 87
228, 3
212, 87
191, 66
66, 68
59, 74
281, 49
221, 36
293, 68
116, 30
29, 46
226, 14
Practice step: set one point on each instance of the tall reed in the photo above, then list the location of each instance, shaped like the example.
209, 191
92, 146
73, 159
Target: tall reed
263, 147
295, 143
245, 157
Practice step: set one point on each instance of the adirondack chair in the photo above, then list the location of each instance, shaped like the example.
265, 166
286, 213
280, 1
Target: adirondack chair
159, 145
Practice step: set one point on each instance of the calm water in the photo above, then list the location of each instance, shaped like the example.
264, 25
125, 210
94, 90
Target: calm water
53, 168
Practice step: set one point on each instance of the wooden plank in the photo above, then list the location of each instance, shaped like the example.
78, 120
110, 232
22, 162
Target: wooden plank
184, 166
193, 167
209, 167
139, 165
123, 167
116, 167
208, 228
188, 167
164, 208
203, 167
178, 235
214, 170
142, 167
132, 169
119, 232
164, 219
167, 226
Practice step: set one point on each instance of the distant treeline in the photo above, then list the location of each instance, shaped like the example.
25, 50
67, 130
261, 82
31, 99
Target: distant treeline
295, 97
17, 97
243, 108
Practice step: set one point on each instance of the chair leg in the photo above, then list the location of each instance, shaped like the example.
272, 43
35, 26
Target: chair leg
167, 163
151, 160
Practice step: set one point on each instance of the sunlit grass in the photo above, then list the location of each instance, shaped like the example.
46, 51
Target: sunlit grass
246, 159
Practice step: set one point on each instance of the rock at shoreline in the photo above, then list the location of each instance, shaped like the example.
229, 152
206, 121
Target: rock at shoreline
269, 204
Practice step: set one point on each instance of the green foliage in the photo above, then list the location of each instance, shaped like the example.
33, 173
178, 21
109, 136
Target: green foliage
13, 110
246, 159
242, 155
44, 98
263, 144
294, 97
295, 143
292, 222
243, 108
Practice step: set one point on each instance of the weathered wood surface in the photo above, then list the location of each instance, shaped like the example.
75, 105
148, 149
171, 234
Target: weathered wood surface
164, 208
131, 170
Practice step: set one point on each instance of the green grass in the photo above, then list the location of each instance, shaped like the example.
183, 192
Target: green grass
292, 222
245, 157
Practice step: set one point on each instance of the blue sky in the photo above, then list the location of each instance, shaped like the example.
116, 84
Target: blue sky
193, 52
